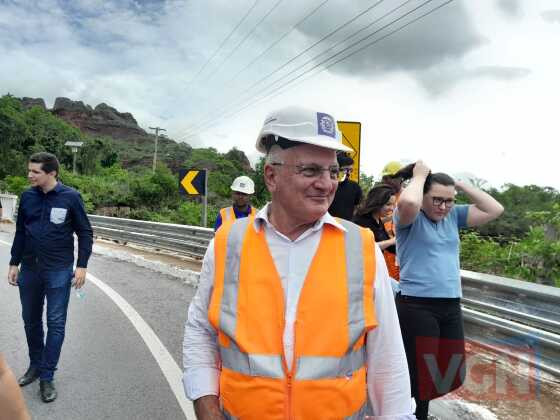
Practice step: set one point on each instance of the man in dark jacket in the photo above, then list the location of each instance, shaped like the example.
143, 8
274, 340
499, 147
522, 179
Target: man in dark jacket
348, 194
49, 214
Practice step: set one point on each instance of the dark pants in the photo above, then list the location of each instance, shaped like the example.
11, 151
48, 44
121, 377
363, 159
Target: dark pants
434, 342
34, 287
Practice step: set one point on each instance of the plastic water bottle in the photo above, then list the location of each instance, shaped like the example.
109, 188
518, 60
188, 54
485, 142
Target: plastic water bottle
80, 294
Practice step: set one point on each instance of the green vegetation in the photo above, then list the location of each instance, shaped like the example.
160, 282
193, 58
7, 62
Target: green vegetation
107, 187
115, 179
524, 242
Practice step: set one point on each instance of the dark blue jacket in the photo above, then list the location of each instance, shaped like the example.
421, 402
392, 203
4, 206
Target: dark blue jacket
45, 226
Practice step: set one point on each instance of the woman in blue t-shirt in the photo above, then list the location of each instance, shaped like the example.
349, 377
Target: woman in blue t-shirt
427, 226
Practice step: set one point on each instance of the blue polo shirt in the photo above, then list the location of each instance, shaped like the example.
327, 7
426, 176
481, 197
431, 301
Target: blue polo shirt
45, 227
428, 254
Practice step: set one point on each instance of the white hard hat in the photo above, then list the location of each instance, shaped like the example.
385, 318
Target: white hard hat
243, 184
301, 125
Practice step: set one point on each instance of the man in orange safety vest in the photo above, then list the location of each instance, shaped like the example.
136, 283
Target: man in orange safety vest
294, 316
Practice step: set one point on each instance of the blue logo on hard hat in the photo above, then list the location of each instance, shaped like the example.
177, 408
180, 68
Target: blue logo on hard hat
325, 124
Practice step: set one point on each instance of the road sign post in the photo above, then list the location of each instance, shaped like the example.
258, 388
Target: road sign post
195, 182
205, 200
351, 137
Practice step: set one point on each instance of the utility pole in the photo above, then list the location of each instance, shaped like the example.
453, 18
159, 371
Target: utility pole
157, 130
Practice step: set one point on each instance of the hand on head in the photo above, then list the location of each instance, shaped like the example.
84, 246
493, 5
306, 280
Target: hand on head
421, 169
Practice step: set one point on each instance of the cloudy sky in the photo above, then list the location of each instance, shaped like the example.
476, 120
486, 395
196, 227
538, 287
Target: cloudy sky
471, 87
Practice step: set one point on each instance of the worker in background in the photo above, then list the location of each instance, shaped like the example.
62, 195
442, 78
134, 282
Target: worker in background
294, 316
242, 189
348, 194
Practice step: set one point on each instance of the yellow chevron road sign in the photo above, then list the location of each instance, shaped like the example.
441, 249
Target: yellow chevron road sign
192, 181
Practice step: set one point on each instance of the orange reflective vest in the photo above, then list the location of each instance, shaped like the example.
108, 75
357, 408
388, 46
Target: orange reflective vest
335, 311
228, 215
392, 267
390, 258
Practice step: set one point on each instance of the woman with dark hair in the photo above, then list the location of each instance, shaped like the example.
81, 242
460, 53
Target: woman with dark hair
379, 204
428, 303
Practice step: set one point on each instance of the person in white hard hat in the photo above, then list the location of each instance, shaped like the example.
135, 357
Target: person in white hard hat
294, 309
242, 189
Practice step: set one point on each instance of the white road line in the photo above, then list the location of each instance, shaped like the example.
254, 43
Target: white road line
170, 369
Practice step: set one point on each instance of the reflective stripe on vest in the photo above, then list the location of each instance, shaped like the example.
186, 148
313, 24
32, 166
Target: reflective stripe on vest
247, 310
316, 367
308, 367
355, 274
251, 364
227, 214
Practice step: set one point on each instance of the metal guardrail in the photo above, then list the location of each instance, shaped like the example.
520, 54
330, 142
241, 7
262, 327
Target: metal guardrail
513, 315
191, 241
532, 304
499, 312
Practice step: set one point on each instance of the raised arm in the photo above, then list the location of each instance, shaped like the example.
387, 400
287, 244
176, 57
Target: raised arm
410, 200
485, 208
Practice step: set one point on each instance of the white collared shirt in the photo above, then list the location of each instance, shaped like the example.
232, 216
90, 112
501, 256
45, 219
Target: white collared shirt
387, 377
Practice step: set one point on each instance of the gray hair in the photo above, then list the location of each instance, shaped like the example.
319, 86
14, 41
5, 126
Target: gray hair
274, 155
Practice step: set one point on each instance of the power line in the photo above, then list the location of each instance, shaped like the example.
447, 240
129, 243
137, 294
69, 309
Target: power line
332, 56
333, 32
276, 42
226, 39
279, 90
331, 48
209, 117
244, 39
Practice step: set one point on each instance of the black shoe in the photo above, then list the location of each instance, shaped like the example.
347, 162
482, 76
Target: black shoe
30, 376
48, 391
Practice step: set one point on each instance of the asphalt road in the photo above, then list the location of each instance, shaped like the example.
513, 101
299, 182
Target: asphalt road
106, 370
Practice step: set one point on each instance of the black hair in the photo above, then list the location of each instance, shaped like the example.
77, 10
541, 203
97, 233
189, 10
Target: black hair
405, 172
48, 161
377, 197
344, 160
438, 178
273, 140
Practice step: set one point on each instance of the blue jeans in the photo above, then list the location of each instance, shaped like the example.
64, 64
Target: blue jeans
34, 287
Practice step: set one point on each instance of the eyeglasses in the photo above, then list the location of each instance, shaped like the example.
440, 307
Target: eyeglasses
313, 171
438, 201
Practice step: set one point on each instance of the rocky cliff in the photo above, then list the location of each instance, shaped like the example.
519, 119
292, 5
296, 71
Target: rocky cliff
103, 120
134, 145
